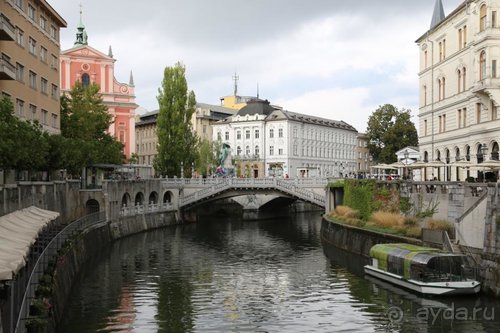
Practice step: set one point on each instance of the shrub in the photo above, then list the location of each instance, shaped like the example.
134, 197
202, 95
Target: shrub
347, 212
440, 225
411, 221
387, 220
415, 232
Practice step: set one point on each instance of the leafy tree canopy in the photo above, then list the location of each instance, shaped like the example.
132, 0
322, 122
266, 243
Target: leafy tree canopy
390, 130
177, 142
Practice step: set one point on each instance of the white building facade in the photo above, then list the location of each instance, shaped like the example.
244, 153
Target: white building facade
459, 83
267, 141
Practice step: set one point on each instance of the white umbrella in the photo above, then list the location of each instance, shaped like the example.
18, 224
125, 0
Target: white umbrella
384, 166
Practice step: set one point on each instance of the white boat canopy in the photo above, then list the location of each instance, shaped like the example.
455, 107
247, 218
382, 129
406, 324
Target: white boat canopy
18, 231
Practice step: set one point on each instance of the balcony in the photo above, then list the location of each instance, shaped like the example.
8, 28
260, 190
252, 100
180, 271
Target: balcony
7, 70
7, 30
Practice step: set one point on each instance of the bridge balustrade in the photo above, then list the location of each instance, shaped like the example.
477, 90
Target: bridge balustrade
148, 208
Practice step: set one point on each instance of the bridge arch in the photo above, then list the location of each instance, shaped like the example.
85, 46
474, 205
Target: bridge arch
139, 198
153, 197
126, 200
168, 196
92, 206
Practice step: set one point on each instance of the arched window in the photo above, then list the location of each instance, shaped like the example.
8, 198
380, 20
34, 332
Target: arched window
425, 95
464, 79
482, 65
247, 150
238, 150
482, 18
444, 88
439, 85
459, 80
85, 80
257, 150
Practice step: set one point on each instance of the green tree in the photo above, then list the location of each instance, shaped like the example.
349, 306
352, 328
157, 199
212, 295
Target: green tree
177, 142
390, 130
206, 159
23, 144
84, 124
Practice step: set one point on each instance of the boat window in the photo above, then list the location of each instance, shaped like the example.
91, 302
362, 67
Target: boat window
444, 269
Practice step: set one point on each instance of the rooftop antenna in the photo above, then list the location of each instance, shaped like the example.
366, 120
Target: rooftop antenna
235, 78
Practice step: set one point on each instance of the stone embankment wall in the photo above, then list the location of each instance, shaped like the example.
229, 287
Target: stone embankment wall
357, 240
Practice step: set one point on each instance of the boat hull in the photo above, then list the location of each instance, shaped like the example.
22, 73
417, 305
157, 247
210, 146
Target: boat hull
427, 288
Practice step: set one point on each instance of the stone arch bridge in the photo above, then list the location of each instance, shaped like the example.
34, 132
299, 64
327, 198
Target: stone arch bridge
130, 197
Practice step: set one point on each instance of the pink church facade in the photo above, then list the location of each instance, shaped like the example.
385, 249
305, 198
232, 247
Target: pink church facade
88, 65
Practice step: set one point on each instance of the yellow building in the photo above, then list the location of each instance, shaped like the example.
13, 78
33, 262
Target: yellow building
29, 65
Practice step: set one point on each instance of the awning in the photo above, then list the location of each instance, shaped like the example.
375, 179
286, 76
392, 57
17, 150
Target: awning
18, 231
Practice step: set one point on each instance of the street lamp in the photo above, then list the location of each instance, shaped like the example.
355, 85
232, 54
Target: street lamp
182, 169
192, 169
406, 154
484, 151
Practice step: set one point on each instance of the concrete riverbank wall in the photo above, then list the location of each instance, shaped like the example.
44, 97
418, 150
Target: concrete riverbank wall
89, 245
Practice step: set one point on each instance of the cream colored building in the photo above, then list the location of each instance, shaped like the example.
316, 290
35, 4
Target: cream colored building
29, 65
363, 157
459, 84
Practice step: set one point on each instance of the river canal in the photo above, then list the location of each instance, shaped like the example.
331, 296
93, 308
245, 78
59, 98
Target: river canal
274, 275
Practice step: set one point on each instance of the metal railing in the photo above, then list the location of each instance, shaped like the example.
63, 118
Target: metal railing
48, 253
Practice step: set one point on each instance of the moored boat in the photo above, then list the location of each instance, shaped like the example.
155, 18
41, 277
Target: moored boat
421, 269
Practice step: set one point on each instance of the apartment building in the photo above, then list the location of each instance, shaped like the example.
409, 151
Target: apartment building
29, 65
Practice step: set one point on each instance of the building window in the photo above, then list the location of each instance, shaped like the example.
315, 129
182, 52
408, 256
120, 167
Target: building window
32, 46
271, 150
20, 37
54, 123
247, 150
295, 132
478, 113
19, 3
280, 133
238, 135
219, 136
295, 150
493, 68
43, 23
45, 113
482, 18
271, 133
493, 111
226, 135
43, 54
204, 129
425, 127
19, 72
53, 63
44, 86
85, 80
459, 80
32, 79
425, 95
238, 150
460, 41
464, 117
33, 112
465, 35
425, 59
280, 151
20, 107
257, 151
464, 80
257, 134
31, 12
459, 118
54, 93
482, 65
53, 32
247, 135
494, 19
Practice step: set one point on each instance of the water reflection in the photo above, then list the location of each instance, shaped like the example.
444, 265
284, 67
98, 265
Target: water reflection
230, 275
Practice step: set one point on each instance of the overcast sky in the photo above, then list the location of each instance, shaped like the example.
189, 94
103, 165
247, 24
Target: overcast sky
329, 58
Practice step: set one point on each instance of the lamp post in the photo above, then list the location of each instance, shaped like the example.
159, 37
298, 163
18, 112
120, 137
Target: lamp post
182, 169
406, 154
192, 169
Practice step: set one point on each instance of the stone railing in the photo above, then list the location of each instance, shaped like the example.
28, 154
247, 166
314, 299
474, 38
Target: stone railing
296, 187
148, 208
